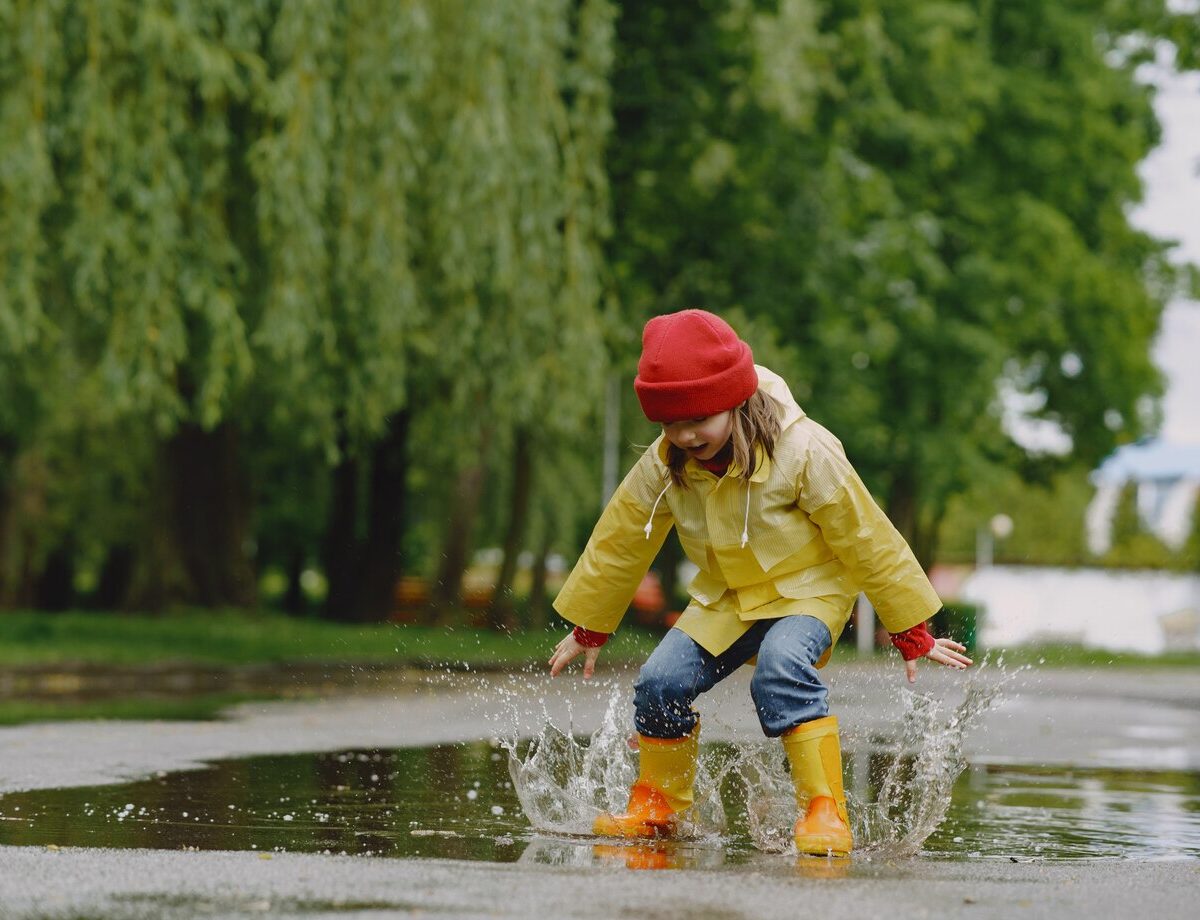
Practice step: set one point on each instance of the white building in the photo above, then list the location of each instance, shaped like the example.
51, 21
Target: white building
1167, 478
1121, 610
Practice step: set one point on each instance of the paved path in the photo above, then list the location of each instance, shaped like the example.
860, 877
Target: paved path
150, 885
1116, 717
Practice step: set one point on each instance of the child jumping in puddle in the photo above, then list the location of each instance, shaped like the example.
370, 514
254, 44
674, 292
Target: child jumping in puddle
784, 534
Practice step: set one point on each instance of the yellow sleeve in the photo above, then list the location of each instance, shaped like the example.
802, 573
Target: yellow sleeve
862, 537
600, 587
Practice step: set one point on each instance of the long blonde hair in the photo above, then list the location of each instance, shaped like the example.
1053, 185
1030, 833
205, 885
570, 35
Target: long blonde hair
755, 424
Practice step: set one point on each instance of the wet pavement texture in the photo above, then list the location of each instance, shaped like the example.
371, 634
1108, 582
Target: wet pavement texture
1105, 761
459, 802
85, 683
165, 885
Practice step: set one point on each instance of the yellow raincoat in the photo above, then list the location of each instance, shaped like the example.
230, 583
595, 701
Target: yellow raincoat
803, 536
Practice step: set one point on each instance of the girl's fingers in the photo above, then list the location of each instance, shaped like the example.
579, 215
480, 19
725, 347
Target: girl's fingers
589, 661
910, 669
559, 661
949, 659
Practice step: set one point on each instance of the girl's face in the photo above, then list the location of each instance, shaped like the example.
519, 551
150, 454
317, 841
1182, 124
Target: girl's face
701, 438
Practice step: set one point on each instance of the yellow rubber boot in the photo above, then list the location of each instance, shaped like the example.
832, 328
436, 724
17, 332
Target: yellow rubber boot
662, 791
815, 756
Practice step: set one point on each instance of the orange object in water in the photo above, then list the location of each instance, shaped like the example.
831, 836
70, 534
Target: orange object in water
662, 792
648, 815
636, 856
822, 832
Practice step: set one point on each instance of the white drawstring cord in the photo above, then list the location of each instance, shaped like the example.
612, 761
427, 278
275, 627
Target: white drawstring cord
746, 520
650, 523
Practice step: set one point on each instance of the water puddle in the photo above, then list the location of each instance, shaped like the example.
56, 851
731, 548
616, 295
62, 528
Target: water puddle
78, 683
461, 802
531, 796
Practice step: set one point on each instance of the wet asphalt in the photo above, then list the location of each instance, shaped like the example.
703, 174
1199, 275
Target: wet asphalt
1089, 717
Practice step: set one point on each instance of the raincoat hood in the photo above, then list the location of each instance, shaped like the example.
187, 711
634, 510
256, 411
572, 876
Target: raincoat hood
775, 387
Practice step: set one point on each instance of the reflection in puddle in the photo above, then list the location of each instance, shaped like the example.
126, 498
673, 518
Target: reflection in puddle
458, 802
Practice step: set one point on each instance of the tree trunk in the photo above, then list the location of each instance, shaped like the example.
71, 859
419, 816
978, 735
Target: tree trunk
928, 535
23, 519
294, 601
158, 577
116, 577
54, 588
500, 612
210, 504
538, 607
446, 591
342, 550
383, 555
8, 452
902, 511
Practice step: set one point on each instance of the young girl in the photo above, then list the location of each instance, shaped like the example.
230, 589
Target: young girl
784, 534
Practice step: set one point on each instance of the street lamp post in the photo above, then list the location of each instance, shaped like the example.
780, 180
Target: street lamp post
1000, 527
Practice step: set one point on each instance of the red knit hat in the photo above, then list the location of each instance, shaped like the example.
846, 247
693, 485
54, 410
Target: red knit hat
693, 364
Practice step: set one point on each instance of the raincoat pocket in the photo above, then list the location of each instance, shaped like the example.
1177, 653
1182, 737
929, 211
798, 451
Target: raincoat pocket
820, 580
706, 588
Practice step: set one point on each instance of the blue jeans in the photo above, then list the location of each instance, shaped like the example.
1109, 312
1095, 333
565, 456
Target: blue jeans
785, 687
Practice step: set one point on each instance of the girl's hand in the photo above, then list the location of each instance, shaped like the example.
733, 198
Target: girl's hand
568, 649
944, 651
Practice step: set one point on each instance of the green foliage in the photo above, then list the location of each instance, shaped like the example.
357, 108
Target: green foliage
1189, 553
1049, 526
1135, 547
926, 201
960, 621
1048, 519
300, 220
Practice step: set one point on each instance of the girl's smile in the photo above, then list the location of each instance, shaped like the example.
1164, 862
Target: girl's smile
701, 438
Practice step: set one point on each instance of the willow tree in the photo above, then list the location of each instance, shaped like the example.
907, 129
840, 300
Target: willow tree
130, 275
216, 238
337, 166
28, 57
513, 212
438, 180
262, 238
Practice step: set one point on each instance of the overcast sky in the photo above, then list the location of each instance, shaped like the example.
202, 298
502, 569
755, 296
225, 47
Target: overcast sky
1172, 210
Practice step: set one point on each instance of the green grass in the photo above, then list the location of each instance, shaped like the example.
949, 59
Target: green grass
230, 637
235, 637
32, 642
1070, 656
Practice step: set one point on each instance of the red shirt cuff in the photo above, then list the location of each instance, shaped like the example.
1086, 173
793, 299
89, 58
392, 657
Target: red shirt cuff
913, 643
589, 639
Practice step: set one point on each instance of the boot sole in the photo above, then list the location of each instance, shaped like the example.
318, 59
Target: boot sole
609, 828
824, 846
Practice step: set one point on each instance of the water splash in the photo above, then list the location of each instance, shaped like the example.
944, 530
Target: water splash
922, 763
564, 782
898, 786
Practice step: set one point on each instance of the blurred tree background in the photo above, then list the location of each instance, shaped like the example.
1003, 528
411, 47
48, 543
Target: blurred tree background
299, 299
